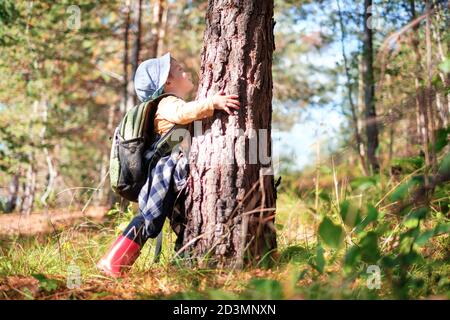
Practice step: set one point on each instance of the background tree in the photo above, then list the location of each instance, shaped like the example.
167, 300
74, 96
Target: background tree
369, 88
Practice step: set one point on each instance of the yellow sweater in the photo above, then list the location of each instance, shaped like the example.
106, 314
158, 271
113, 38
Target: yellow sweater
172, 110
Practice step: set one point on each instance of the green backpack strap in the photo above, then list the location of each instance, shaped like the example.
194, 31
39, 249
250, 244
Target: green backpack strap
138, 121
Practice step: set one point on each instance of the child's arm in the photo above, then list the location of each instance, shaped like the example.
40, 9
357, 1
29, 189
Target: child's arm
178, 111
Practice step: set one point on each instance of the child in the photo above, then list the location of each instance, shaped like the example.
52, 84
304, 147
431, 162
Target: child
153, 78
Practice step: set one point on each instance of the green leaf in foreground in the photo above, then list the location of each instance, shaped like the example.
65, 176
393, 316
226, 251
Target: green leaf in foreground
319, 259
352, 256
349, 213
405, 188
372, 215
331, 234
45, 283
369, 248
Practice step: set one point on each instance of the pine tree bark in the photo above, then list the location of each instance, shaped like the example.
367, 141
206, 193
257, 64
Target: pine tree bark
230, 205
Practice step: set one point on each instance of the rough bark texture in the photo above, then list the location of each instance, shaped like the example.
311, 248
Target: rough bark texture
230, 206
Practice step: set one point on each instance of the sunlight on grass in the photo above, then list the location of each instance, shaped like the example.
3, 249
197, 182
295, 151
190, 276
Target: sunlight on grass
307, 267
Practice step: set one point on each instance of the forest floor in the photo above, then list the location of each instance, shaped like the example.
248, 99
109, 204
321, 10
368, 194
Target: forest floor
38, 251
42, 222
53, 256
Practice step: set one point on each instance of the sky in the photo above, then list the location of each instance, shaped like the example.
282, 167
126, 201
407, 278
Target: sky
300, 142
319, 122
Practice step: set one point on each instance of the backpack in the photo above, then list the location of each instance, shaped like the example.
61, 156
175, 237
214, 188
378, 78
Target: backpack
130, 160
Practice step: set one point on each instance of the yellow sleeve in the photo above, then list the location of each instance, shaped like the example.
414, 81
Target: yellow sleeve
178, 111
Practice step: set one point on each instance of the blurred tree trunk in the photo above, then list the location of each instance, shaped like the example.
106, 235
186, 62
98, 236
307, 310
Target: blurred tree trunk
231, 195
369, 89
126, 32
360, 106
105, 191
163, 30
13, 192
420, 96
52, 173
355, 120
443, 111
29, 185
429, 91
135, 54
157, 26
29, 188
124, 105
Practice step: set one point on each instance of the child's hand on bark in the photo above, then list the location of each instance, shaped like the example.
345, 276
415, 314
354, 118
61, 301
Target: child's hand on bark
224, 102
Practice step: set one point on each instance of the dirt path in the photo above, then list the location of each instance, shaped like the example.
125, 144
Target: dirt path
41, 222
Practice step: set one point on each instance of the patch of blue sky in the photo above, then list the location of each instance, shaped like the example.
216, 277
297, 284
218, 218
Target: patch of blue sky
317, 123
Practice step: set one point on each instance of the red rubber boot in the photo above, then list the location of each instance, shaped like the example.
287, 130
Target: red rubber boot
120, 256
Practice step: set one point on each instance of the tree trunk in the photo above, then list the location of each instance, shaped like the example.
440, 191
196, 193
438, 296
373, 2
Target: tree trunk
52, 173
430, 105
355, 120
13, 189
124, 105
158, 14
421, 105
230, 204
135, 54
124, 101
369, 89
163, 28
29, 185
104, 166
442, 110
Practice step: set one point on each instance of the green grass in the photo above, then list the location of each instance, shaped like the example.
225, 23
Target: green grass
323, 254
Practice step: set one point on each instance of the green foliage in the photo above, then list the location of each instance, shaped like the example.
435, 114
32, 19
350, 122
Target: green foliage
319, 262
364, 183
331, 234
442, 135
445, 65
409, 164
264, 289
295, 254
350, 214
372, 216
406, 188
45, 283
444, 167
